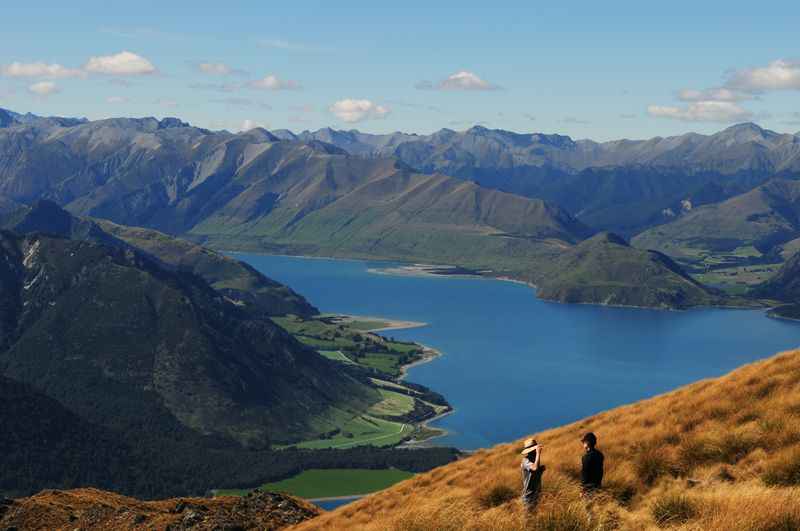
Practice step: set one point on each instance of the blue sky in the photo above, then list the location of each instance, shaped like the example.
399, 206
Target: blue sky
586, 69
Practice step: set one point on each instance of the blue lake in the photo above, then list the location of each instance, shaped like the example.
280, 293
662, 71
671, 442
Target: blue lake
514, 365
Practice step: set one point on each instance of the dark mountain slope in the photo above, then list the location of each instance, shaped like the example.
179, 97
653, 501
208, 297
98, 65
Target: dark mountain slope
45, 445
48, 218
606, 270
42, 442
234, 279
121, 341
785, 285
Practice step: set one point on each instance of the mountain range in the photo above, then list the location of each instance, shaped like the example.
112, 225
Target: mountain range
620, 185
502, 203
254, 191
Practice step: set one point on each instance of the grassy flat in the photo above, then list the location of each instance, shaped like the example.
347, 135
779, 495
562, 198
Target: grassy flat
316, 483
368, 325
331, 333
335, 355
393, 404
362, 430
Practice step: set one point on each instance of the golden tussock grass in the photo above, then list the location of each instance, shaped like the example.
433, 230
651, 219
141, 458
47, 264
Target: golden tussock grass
718, 455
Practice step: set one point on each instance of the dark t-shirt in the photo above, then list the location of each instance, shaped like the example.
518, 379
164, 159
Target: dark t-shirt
592, 469
531, 480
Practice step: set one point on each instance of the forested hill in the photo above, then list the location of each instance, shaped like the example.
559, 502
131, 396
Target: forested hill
121, 340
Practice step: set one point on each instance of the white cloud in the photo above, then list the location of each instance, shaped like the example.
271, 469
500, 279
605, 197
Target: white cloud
114, 100
272, 82
124, 63
39, 69
462, 80
713, 94
703, 111
44, 89
777, 75
352, 111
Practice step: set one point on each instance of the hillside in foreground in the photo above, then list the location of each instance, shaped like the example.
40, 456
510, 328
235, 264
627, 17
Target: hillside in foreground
720, 454
95, 509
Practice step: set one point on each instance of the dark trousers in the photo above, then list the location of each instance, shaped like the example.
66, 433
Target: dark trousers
530, 501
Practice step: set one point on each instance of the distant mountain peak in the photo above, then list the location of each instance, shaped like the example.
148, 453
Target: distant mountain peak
259, 134
284, 134
746, 131
171, 123
478, 129
751, 126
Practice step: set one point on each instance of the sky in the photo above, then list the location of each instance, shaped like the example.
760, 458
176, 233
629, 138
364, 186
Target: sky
601, 70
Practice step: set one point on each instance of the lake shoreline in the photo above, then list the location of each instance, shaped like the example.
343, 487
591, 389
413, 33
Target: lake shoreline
418, 269
606, 352
429, 354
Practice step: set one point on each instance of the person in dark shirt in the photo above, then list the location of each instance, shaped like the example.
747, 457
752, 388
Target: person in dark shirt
592, 464
532, 470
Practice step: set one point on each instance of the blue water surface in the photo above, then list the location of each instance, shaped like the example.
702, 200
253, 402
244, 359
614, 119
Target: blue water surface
514, 365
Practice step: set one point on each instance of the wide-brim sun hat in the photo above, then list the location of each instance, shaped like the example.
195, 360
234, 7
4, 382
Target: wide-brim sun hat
530, 446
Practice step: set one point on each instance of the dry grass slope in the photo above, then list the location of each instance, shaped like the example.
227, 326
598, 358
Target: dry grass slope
91, 509
718, 455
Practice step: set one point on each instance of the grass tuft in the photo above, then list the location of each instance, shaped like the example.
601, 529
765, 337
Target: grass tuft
652, 464
496, 495
783, 469
672, 509
570, 518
